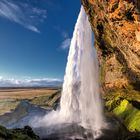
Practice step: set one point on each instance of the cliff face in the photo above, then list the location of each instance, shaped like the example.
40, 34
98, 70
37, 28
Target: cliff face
116, 25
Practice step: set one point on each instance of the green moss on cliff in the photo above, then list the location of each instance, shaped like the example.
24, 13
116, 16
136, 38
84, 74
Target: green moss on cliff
129, 114
102, 71
126, 108
132, 121
121, 109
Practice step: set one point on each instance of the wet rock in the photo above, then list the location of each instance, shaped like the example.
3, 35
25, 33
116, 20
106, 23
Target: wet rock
114, 131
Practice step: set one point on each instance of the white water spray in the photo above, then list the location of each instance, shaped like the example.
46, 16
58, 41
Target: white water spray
80, 101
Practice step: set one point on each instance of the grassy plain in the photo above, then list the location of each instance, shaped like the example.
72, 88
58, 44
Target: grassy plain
11, 97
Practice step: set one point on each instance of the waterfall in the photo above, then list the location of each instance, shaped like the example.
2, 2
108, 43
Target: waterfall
80, 101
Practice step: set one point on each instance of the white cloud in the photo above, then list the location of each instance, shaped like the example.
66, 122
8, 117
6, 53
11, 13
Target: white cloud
23, 14
44, 82
66, 39
65, 34
33, 28
65, 44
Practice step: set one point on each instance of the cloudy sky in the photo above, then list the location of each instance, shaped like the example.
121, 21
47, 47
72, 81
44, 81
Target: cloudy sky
34, 40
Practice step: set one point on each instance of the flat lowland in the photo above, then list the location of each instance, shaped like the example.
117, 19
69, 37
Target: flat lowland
11, 97
25, 93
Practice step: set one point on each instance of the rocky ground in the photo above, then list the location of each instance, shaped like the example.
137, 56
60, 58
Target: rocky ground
19, 106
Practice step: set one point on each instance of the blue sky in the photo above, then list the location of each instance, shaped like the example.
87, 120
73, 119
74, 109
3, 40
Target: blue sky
34, 38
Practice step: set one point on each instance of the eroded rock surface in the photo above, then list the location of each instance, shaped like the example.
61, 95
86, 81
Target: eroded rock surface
116, 25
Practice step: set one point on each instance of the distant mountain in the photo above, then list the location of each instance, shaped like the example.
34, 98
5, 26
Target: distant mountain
45, 82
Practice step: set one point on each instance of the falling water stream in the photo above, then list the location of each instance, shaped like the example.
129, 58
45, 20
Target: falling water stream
80, 102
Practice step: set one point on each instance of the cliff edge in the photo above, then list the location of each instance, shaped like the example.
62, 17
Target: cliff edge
116, 27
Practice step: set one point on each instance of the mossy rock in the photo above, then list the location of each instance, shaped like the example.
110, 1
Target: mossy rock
17, 134
121, 109
124, 109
